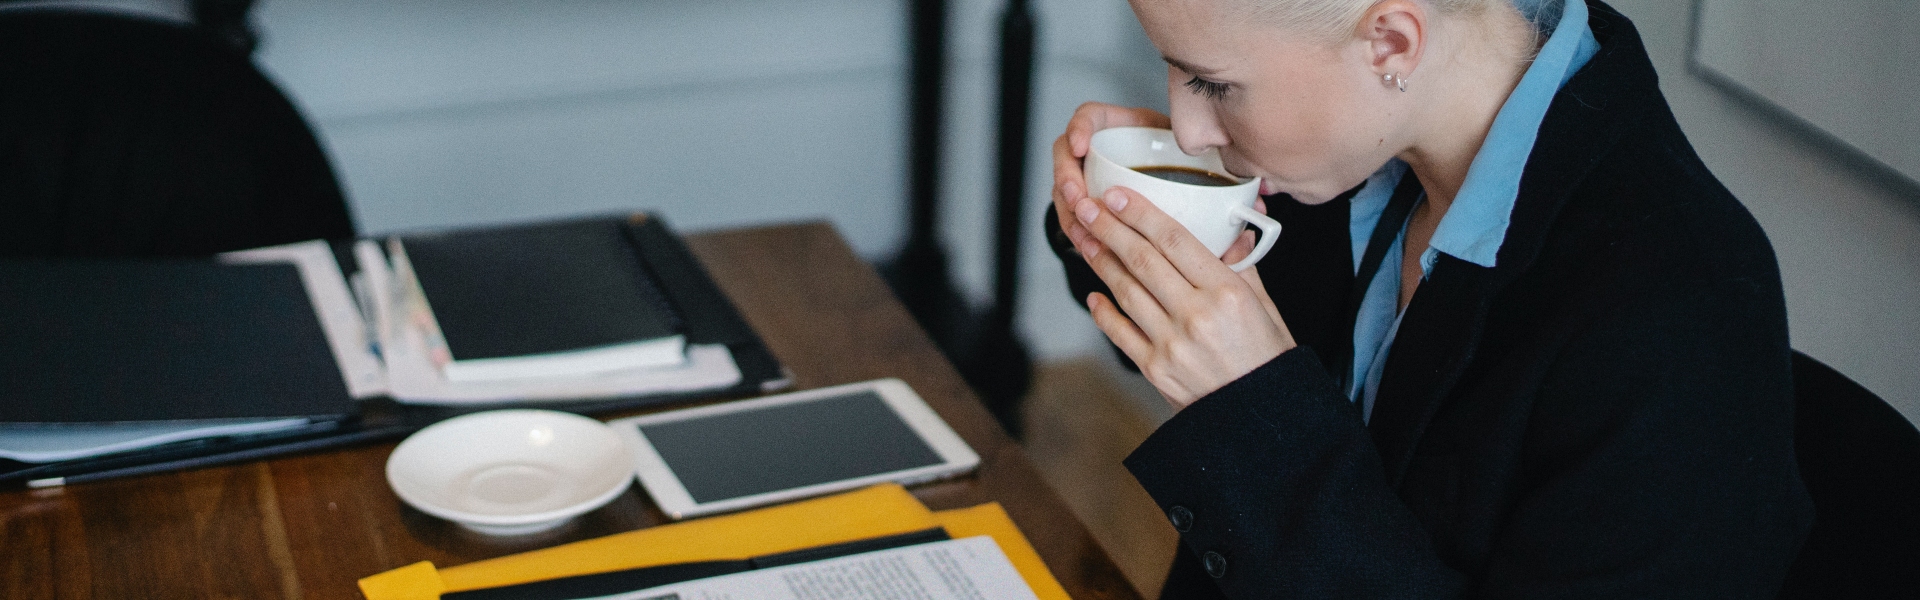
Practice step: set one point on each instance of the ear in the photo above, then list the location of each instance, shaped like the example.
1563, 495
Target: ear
1395, 32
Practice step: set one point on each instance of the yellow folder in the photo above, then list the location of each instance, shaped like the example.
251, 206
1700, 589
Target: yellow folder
877, 511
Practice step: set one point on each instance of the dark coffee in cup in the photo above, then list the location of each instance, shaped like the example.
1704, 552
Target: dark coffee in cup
1194, 189
1189, 176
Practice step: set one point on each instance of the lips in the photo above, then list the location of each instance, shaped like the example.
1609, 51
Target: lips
1267, 187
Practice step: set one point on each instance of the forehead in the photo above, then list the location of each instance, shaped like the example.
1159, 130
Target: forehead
1181, 16
1197, 33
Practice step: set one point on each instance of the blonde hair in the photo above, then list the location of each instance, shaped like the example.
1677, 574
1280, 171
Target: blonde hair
1334, 20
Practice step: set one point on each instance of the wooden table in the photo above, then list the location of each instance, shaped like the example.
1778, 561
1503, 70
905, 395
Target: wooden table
310, 526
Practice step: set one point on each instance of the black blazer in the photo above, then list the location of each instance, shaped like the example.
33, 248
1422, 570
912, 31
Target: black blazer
1606, 413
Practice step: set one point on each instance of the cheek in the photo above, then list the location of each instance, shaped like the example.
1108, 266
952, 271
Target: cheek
1317, 143
1289, 138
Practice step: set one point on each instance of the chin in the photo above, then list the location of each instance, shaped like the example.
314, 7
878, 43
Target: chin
1308, 195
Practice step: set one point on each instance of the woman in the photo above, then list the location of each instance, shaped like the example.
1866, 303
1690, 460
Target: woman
1515, 339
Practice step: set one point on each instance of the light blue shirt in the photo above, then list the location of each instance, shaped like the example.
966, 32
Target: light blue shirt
1476, 224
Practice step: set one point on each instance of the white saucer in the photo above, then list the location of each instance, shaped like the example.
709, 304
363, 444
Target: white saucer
511, 472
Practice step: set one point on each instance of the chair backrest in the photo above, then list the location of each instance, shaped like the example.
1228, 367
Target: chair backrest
1860, 460
122, 136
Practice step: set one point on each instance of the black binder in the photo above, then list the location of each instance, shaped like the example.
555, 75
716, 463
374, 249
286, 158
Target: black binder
704, 312
88, 341
539, 289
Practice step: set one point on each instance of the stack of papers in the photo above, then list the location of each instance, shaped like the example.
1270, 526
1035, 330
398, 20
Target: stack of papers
967, 569
987, 554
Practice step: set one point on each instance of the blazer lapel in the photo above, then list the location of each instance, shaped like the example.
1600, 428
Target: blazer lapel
1441, 330
1436, 341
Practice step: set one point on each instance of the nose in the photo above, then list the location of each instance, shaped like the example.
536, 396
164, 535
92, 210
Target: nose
1196, 123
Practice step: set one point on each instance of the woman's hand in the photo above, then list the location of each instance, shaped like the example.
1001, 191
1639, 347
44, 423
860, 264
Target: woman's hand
1069, 180
1191, 323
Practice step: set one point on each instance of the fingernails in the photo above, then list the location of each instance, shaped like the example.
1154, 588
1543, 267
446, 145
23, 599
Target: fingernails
1116, 201
1070, 190
1086, 211
1083, 241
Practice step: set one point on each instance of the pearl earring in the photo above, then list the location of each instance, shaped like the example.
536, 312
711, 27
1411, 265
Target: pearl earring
1395, 79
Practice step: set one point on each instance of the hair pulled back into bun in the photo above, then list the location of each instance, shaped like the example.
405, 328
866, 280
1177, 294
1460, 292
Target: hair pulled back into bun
1334, 20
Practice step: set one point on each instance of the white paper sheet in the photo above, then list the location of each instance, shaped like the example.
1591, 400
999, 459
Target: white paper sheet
50, 443
965, 569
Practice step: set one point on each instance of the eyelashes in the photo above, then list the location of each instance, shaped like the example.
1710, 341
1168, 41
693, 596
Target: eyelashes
1213, 90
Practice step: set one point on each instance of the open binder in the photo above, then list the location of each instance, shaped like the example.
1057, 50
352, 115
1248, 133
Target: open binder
390, 330
375, 407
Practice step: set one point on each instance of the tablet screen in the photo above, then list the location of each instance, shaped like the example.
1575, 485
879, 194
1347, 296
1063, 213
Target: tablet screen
788, 446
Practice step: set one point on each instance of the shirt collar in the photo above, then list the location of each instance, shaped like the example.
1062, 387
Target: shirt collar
1476, 224
1365, 207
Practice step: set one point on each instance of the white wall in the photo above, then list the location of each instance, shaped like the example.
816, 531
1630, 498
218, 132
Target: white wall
1798, 54
718, 114
444, 112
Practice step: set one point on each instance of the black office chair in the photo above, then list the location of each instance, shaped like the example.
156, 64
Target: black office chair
1860, 460
122, 136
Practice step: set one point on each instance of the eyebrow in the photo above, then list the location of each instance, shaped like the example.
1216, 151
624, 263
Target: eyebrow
1190, 69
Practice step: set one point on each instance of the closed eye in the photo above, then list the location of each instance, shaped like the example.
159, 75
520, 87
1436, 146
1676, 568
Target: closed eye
1213, 90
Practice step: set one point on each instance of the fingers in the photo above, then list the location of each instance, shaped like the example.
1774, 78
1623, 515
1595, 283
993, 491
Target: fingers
1095, 116
1069, 178
1242, 246
1134, 247
1069, 185
1119, 328
1194, 264
1138, 280
1090, 117
1080, 128
1252, 277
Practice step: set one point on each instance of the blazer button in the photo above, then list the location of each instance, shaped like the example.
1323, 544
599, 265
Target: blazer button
1215, 563
1181, 517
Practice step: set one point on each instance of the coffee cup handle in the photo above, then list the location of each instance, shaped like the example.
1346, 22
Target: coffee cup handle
1269, 231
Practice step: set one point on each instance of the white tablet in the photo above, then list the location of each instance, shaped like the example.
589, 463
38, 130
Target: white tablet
736, 455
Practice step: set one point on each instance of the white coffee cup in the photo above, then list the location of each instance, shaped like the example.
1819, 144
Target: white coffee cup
1214, 214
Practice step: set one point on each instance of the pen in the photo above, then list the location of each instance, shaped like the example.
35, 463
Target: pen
209, 460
